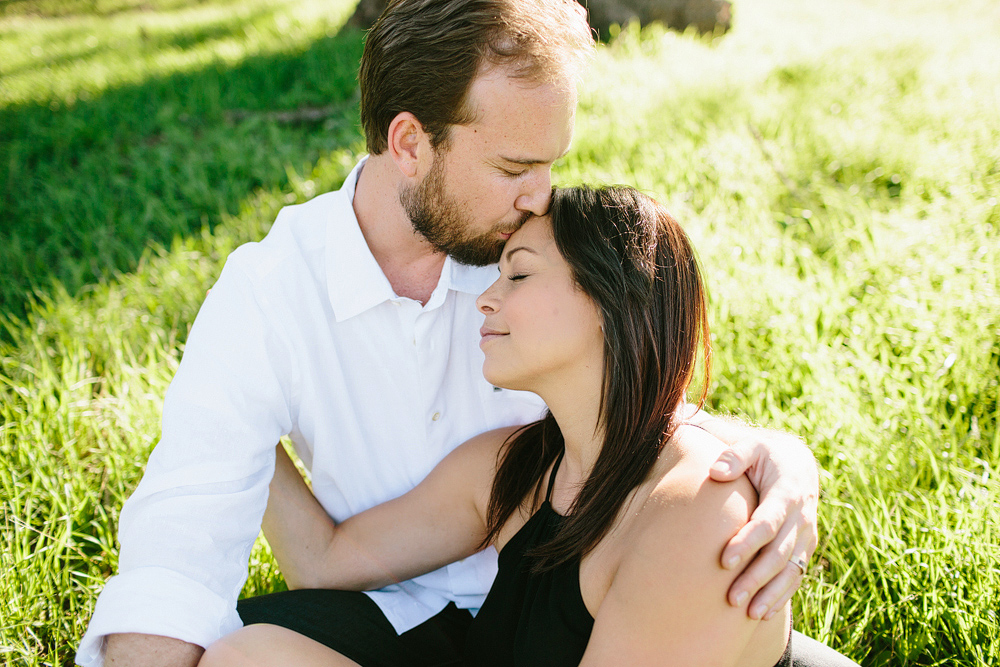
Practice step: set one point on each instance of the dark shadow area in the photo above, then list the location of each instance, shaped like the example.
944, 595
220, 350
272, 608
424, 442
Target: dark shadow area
87, 186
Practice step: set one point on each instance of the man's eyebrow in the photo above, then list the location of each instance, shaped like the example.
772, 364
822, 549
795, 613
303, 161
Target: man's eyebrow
530, 162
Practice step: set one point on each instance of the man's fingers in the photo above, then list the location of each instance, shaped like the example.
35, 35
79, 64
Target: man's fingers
809, 539
773, 597
768, 565
779, 544
771, 580
759, 531
735, 461
780, 590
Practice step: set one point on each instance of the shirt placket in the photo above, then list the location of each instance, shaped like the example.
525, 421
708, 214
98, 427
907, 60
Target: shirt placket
431, 369
414, 323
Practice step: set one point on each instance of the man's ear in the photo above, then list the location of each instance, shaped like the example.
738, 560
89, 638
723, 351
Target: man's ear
409, 145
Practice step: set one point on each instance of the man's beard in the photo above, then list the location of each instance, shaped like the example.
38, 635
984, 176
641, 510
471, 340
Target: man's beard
442, 223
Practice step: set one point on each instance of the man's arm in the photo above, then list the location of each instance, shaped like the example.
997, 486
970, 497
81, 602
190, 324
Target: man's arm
187, 530
137, 650
784, 525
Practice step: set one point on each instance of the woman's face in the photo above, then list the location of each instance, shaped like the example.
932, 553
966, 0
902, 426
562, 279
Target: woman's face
540, 327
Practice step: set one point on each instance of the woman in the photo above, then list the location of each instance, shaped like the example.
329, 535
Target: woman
608, 527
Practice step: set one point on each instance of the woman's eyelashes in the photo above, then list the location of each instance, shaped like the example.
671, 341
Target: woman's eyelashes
513, 275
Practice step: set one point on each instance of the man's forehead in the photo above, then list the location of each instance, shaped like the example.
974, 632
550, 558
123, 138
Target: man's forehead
526, 124
495, 92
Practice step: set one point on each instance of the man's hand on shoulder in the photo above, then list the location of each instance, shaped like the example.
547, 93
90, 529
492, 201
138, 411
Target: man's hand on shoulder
783, 528
138, 650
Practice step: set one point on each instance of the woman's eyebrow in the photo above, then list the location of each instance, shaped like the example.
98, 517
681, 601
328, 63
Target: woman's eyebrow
510, 252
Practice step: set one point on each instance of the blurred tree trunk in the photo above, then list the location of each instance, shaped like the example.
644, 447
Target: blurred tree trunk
366, 12
706, 16
703, 15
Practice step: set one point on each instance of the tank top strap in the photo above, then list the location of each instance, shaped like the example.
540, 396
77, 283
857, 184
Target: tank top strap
552, 475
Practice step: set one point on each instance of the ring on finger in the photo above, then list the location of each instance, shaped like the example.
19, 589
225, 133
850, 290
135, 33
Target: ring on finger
799, 562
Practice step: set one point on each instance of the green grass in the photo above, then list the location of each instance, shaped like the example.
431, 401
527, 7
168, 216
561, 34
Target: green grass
135, 126
837, 166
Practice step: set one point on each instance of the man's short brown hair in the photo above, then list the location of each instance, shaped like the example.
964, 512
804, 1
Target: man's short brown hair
421, 56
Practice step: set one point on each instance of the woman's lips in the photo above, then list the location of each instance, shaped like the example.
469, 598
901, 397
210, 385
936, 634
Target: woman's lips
488, 335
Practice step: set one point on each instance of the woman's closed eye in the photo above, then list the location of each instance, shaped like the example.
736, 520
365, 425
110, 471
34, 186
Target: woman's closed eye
513, 276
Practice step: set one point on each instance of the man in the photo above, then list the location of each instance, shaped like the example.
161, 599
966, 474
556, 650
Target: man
352, 328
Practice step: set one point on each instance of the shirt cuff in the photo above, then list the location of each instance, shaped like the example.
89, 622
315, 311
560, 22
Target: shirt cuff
156, 601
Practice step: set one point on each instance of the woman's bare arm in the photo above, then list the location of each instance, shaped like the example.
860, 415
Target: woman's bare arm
667, 601
784, 472
438, 522
296, 526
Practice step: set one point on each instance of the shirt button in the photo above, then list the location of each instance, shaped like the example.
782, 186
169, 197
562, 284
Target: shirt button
436, 416
396, 303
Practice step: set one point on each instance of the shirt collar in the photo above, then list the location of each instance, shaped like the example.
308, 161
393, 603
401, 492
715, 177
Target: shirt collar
355, 281
469, 279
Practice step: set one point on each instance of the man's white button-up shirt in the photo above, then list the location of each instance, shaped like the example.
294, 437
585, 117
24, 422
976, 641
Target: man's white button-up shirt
301, 335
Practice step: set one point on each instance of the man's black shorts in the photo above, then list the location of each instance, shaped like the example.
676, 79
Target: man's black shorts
351, 624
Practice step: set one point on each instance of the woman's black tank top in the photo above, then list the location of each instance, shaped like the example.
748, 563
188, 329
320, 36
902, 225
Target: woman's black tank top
531, 619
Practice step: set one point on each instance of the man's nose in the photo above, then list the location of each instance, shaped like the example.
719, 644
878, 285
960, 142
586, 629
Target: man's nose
535, 198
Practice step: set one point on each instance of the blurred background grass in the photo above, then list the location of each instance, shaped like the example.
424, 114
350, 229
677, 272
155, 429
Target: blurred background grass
838, 166
121, 125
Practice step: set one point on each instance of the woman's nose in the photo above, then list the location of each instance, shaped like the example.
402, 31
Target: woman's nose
487, 302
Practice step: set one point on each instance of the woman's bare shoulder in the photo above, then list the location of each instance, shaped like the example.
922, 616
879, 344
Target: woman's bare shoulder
675, 537
685, 501
472, 465
486, 445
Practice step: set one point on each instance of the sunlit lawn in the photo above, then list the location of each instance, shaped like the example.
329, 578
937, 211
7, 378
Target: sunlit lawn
838, 165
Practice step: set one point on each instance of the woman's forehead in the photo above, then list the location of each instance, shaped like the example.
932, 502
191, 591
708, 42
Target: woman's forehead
535, 234
536, 228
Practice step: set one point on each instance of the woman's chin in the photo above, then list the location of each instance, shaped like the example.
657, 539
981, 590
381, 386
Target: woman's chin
502, 380
495, 380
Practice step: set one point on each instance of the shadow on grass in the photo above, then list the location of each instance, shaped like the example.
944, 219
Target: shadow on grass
153, 40
87, 186
103, 8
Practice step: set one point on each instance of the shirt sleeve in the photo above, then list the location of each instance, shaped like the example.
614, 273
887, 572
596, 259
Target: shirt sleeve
187, 530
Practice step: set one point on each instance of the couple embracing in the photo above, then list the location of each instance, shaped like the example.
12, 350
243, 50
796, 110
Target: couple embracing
522, 433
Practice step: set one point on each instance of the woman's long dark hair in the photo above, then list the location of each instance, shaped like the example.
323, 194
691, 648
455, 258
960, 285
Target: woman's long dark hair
633, 259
